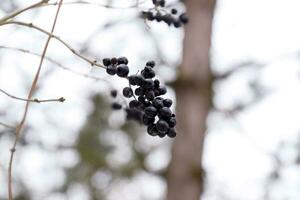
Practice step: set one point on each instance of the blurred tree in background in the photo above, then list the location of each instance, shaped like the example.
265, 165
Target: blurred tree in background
225, 99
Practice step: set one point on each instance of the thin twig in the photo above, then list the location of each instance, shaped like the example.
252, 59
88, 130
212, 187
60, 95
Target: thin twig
14, 14
61, 99
7, 125
135, 5
30, 25
33, 86
56, 63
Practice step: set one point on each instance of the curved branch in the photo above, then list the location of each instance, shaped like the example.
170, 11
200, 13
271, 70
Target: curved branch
56, 63
12, 15
61, 99
30, 25
32, 88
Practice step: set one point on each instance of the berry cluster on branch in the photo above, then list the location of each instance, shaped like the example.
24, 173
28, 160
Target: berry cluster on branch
161, 15
147, 106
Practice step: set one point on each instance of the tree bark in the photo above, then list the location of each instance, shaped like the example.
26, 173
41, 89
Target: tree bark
194, 95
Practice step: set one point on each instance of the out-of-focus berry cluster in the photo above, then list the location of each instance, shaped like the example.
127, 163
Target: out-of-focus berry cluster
147, 106
159, 14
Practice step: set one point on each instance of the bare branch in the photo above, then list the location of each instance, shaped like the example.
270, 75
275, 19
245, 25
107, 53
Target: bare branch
56, 63
33, 86
61, 99
14, 14
30, 25
7, 125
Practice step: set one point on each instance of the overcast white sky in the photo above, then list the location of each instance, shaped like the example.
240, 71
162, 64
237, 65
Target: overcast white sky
236, 152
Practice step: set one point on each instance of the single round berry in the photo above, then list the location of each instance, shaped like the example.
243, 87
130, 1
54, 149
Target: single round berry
171, 133
150, 111
152, 130
122, 70
127, 92
150, 63
165, 112
114, 61
148, 84
131, 79
162, 126
150, 95
174, 11
116, 106
162, 90
172, 122
148, 120
122, 60
139, 91
113, 93
161, 135
167, 102
158, 102
134, 103
184, 18
106, 62
111, 70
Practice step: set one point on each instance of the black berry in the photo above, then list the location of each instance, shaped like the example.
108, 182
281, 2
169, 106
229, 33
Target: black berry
106, 62
127, 92
162, 126
122, 70
111, 70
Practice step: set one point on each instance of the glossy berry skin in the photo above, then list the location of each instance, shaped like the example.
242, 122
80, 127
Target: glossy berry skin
162, 126
158, 102
148, 84
152, 130
116, 106
165, 112
150, 111
106, 62
134, 103
127, 92
150, 95
171, 133
148, 120
122, 70
162, 90
172, 122
167, 102
156, 83
122, 60
113, 93
111, 70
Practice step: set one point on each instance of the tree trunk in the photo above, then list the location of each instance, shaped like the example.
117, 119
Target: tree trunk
194, 92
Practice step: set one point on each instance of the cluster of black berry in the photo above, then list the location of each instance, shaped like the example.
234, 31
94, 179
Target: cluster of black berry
164, 16
116, 66
147, 106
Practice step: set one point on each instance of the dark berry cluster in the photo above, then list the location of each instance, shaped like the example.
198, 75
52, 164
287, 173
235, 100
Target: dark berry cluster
170, 18
116, 66
147, 106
